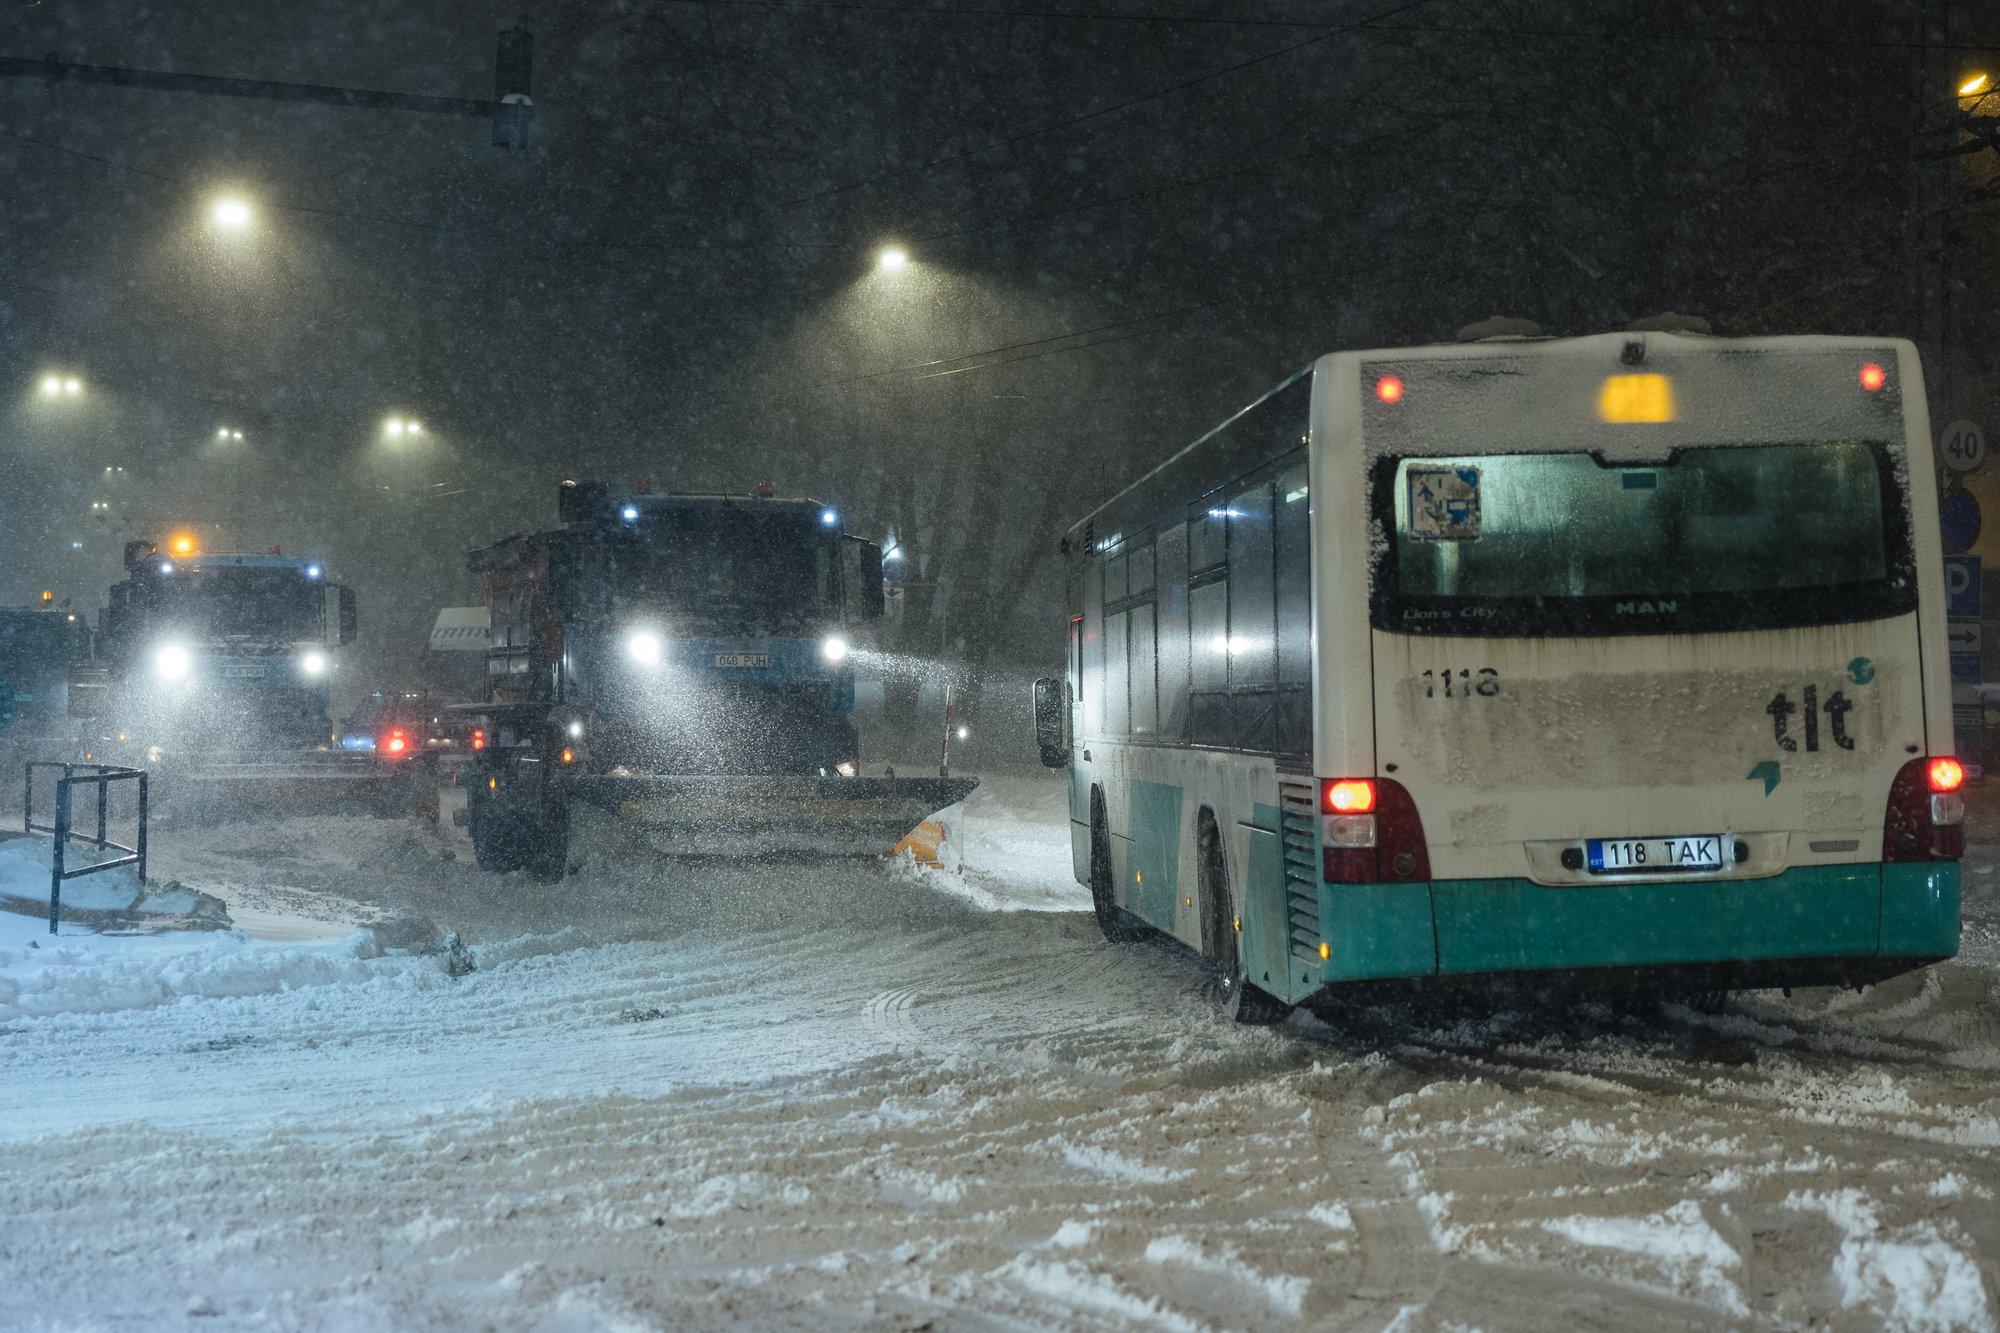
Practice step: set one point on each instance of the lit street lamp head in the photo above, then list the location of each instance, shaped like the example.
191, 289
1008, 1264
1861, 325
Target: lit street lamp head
892, 257
51, 385
231, 215
72, 386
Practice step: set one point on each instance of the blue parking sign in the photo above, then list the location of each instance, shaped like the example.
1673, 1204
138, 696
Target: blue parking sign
1961, 587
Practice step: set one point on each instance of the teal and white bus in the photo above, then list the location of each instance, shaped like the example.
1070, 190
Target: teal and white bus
1615, 660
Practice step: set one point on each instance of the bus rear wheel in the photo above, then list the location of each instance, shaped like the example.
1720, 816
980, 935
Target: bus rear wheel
1114, 921
1242, 1001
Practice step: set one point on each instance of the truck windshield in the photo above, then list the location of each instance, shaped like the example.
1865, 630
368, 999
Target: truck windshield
1747, 537
279, 605
731, 563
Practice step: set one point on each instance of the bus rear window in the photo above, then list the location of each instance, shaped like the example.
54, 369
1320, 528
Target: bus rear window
1745, 537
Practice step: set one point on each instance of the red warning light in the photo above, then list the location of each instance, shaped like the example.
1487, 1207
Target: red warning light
1873, 377
1389, 389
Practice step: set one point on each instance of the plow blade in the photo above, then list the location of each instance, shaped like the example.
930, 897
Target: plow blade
279, 767
220, 785
790, 817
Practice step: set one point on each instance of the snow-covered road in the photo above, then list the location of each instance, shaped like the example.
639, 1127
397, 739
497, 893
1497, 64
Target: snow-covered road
867, 1096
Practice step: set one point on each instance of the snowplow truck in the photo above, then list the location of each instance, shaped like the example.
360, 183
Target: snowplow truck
672, 674
213, 671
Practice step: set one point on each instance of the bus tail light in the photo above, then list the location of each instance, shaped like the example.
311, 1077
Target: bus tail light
1380, 842
1347, 796
1925, 813
396, 743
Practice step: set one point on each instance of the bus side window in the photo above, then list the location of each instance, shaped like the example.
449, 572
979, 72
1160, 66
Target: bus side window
1091, 694
1294, 576
1139, 571
1208, 632
1206, 538
1115, 674
1145, 697
1252, 621
1172, 637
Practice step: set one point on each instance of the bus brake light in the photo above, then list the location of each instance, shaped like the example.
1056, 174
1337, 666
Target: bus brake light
1873, 377
1925, 815
1347, 796
1383, 845
1389, 389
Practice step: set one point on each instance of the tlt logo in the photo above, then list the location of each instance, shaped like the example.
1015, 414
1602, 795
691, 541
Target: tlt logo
1837, 706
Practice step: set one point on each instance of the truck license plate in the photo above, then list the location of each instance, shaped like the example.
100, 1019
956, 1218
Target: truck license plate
742, 661
1638, 856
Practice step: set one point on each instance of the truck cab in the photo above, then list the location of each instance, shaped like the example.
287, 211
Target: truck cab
223, 650
684, 633
690, 636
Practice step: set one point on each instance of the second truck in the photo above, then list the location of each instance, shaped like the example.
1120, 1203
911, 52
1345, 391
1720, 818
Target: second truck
213, 669
679, 667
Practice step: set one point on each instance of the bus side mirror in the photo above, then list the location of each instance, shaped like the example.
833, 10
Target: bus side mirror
1052, 722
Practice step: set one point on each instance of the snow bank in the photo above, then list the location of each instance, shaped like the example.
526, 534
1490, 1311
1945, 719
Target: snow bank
93, 974
113, 897
1011, 835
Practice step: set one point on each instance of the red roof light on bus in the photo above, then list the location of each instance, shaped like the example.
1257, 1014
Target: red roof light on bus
1946, 774
1873, 377
1389, 389
1348, 796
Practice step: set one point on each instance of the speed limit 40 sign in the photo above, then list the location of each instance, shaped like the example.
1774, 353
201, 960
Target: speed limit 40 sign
1962, 446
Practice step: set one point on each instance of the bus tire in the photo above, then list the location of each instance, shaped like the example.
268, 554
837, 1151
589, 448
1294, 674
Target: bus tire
1114, 921
1242, 1001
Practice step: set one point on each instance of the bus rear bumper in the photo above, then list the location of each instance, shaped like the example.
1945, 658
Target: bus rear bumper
1810, 925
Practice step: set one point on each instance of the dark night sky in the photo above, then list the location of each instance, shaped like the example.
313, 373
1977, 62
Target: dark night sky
677, 280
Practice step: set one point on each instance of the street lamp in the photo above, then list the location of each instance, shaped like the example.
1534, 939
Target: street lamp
231, 214
1975, 84
891, 257
397, 427
51, 386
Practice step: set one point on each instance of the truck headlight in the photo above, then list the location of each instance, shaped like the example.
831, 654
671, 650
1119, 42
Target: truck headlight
312, 664
172, 662
644, 647
833, 648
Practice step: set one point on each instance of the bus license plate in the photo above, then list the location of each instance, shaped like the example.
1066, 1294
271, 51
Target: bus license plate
252, 671
1637, 856
742, 661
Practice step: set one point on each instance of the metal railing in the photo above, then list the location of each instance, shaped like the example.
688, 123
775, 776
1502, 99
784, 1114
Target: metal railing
100, 776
